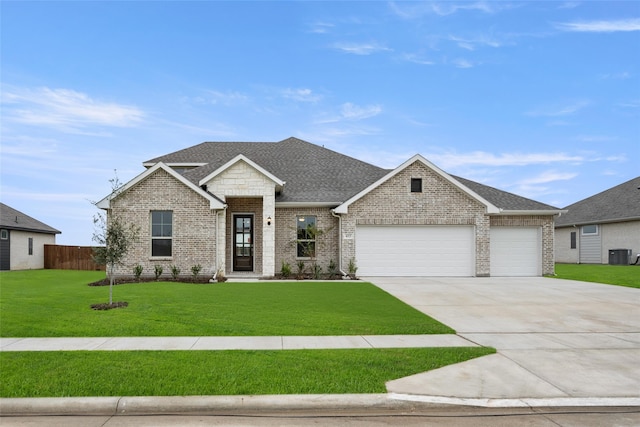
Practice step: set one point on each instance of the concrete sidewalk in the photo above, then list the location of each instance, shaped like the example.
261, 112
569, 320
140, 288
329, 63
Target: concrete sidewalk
232, 343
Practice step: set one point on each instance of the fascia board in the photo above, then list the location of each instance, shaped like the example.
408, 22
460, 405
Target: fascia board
214, 203
245, 159
175, 164
532, 212
306, 204
344, 207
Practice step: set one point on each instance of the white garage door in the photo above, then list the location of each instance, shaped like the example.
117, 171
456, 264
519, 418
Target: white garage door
415, 251
515, 251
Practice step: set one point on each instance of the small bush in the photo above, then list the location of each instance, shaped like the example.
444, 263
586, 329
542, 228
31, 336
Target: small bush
285, 270
195, 271
137, 271
332, 270
175, 272
301, 267
158, 271
352, 268
316, 270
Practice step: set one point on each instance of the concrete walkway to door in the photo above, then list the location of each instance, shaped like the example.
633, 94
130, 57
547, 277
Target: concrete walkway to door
557, 340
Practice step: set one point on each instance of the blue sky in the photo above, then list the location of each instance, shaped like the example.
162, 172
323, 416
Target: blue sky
537, 98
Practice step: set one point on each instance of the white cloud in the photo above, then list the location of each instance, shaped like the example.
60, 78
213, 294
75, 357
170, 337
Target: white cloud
320, 27
625, 25
462, 63
302, 95
473, 43
65, 109
414, 10
225, 98
416, 59
354, 112
360, 48
452, 159
556, 111
546, 177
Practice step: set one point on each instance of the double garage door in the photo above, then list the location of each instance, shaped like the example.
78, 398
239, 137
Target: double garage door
444, 251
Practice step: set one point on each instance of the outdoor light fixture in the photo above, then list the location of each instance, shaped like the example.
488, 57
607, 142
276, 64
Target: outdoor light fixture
268, 220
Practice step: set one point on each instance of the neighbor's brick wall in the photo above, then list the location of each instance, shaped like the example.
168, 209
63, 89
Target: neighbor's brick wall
440, 203
194, 225
286, 235
545, 222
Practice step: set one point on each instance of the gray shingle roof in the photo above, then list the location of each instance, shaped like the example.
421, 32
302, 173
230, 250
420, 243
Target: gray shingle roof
13, 219
313, 173
503, 199
618, 203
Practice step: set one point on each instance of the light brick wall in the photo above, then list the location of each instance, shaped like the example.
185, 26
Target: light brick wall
20, 258
439, 203
194, 225
241, 185
286, 235
545, 222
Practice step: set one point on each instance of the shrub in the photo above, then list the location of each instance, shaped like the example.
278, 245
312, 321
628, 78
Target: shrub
175, 272
301, 266
352, 268
195, 271
137, 271
332, 270
285, 270
157, 271
316, 270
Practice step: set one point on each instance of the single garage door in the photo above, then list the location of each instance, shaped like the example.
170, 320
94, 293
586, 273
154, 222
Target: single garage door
516, 251
415, 250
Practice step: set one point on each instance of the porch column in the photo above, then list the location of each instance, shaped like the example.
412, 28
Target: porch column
268, 235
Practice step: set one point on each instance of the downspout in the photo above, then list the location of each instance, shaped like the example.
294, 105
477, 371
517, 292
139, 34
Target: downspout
339, 242
224, 211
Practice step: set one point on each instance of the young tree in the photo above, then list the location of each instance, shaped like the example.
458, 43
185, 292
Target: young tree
113, 236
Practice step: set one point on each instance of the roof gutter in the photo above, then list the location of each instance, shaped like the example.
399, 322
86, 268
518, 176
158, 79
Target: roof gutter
531, 212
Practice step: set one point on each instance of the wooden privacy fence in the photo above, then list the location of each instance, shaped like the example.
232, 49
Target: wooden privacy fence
70, 258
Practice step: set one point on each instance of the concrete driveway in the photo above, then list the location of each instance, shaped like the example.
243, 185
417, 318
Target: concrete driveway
556, 339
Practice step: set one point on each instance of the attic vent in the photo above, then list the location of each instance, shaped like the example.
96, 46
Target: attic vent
416, 185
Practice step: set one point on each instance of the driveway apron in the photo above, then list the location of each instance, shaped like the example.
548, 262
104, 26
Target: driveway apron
556, 339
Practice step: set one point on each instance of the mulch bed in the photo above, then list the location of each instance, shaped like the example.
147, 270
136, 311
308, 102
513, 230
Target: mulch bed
107, 306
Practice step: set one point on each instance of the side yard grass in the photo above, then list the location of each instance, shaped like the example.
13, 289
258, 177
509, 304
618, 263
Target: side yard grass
621, 275
56, 303
184, 373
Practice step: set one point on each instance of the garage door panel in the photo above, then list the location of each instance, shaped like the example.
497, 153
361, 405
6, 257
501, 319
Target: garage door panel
415, 250
515, 251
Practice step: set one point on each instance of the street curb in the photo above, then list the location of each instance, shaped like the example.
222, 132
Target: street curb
167, 405
216, 405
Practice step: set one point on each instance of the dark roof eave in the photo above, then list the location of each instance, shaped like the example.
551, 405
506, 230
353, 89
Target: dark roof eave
32, 230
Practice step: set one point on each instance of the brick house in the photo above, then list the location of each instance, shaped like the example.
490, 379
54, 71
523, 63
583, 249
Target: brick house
247, 207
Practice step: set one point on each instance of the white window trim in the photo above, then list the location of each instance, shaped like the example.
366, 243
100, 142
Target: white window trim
162, 257
306, 240
583, 233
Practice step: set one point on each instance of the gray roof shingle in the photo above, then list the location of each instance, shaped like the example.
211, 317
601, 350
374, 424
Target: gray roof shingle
313, 173
618, 203
13, 219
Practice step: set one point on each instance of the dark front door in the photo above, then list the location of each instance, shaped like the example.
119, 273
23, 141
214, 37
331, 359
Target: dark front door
5, 250
243, 243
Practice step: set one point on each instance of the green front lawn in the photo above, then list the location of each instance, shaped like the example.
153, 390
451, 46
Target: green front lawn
183, 373
622, 275
56, 303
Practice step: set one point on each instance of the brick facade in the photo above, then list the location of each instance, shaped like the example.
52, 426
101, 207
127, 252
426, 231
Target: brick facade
439, 203
194, 225
286, 235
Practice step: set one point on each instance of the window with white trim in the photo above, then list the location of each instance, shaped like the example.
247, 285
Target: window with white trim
306, 236
161, 233
589, 230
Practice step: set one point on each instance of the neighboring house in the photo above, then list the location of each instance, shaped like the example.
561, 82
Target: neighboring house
247, 207
598, 224
22, 240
